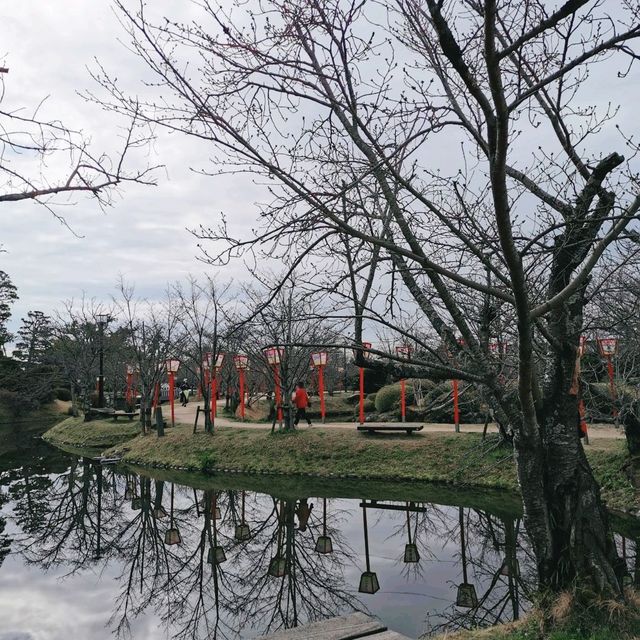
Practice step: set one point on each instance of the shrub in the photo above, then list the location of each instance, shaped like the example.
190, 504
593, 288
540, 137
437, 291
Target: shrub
63, 394
388, 398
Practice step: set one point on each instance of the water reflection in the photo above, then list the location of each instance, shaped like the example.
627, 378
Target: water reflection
184, 562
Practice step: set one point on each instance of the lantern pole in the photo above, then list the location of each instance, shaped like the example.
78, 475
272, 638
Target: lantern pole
129, 380
321, 391
365, 347
171, 397
403, 351
456, 409
241, 375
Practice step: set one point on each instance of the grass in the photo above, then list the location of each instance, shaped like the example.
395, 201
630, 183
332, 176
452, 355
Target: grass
463, 460
96, 434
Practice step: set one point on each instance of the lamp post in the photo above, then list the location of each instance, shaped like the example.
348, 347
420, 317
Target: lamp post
366, 346
411, 553
242, 363
466, 596
323, 543
217, 365
102, 320
608, 348
403, 351
319, 361
242, 532
274, 356
369, 579
172, 365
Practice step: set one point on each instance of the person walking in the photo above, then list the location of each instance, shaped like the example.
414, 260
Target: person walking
301, 401
184, 391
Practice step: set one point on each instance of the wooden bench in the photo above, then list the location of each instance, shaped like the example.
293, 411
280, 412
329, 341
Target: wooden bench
374, 428
124, 414
356, 625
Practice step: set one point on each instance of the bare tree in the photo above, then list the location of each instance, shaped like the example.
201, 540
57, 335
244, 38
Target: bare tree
31, 146
304, 95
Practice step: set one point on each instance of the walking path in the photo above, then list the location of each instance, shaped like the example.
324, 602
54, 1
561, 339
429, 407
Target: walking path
187, 415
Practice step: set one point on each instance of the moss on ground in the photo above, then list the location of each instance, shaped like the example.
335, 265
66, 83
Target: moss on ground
74, 432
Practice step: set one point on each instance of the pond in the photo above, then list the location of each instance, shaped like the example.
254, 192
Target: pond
92, 551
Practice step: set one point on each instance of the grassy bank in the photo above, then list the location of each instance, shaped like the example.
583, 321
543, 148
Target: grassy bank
459, 459
73, 432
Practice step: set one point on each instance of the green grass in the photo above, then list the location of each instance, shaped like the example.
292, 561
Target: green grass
463, 460
96, 434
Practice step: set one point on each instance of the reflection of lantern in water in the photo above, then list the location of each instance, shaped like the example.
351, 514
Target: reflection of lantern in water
129, 491
278, 564
368, 580
466, 597
172, 534
216, 553
411, 553
242, 529
159, 513
324, 544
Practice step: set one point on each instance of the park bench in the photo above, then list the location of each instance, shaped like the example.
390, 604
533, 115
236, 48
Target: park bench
374, 428
124, 414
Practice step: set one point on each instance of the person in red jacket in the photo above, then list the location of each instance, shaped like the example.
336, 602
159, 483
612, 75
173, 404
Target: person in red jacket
301, 400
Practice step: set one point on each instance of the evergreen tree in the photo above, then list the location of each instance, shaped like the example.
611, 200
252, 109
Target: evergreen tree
35, 337
8, 295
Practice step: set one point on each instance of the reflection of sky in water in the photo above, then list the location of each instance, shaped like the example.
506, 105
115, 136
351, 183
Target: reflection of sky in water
68, 602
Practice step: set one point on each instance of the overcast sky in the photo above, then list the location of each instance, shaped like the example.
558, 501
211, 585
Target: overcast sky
48, 47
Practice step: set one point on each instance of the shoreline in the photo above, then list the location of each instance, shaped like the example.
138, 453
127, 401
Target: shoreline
451, 461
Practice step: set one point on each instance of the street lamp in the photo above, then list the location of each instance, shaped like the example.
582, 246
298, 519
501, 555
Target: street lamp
366, 346
274, 356
102, 320
172, 365
242, 364
403, 351
319, 360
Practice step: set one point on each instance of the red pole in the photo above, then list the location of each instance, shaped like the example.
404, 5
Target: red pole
612, 385
214, 396
276, 375
403, 401
321, 390
172, 398
456, 411
241, 375
361, 395
128, 395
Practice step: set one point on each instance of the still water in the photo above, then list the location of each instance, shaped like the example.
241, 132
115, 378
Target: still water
96, 552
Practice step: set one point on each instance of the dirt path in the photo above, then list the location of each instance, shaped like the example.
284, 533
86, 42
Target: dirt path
187, 415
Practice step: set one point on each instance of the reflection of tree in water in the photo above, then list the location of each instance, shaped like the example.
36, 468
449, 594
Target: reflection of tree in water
498, 571
244, 560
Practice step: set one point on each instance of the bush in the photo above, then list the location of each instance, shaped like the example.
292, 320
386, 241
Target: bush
388, 398
63, 394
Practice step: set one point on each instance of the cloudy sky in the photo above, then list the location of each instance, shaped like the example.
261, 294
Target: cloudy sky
48, 47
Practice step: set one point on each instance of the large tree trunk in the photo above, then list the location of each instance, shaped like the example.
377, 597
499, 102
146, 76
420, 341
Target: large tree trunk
631, 424
564, 514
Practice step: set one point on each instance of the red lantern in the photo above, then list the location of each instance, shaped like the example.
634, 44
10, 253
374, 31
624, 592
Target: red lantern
366, 346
